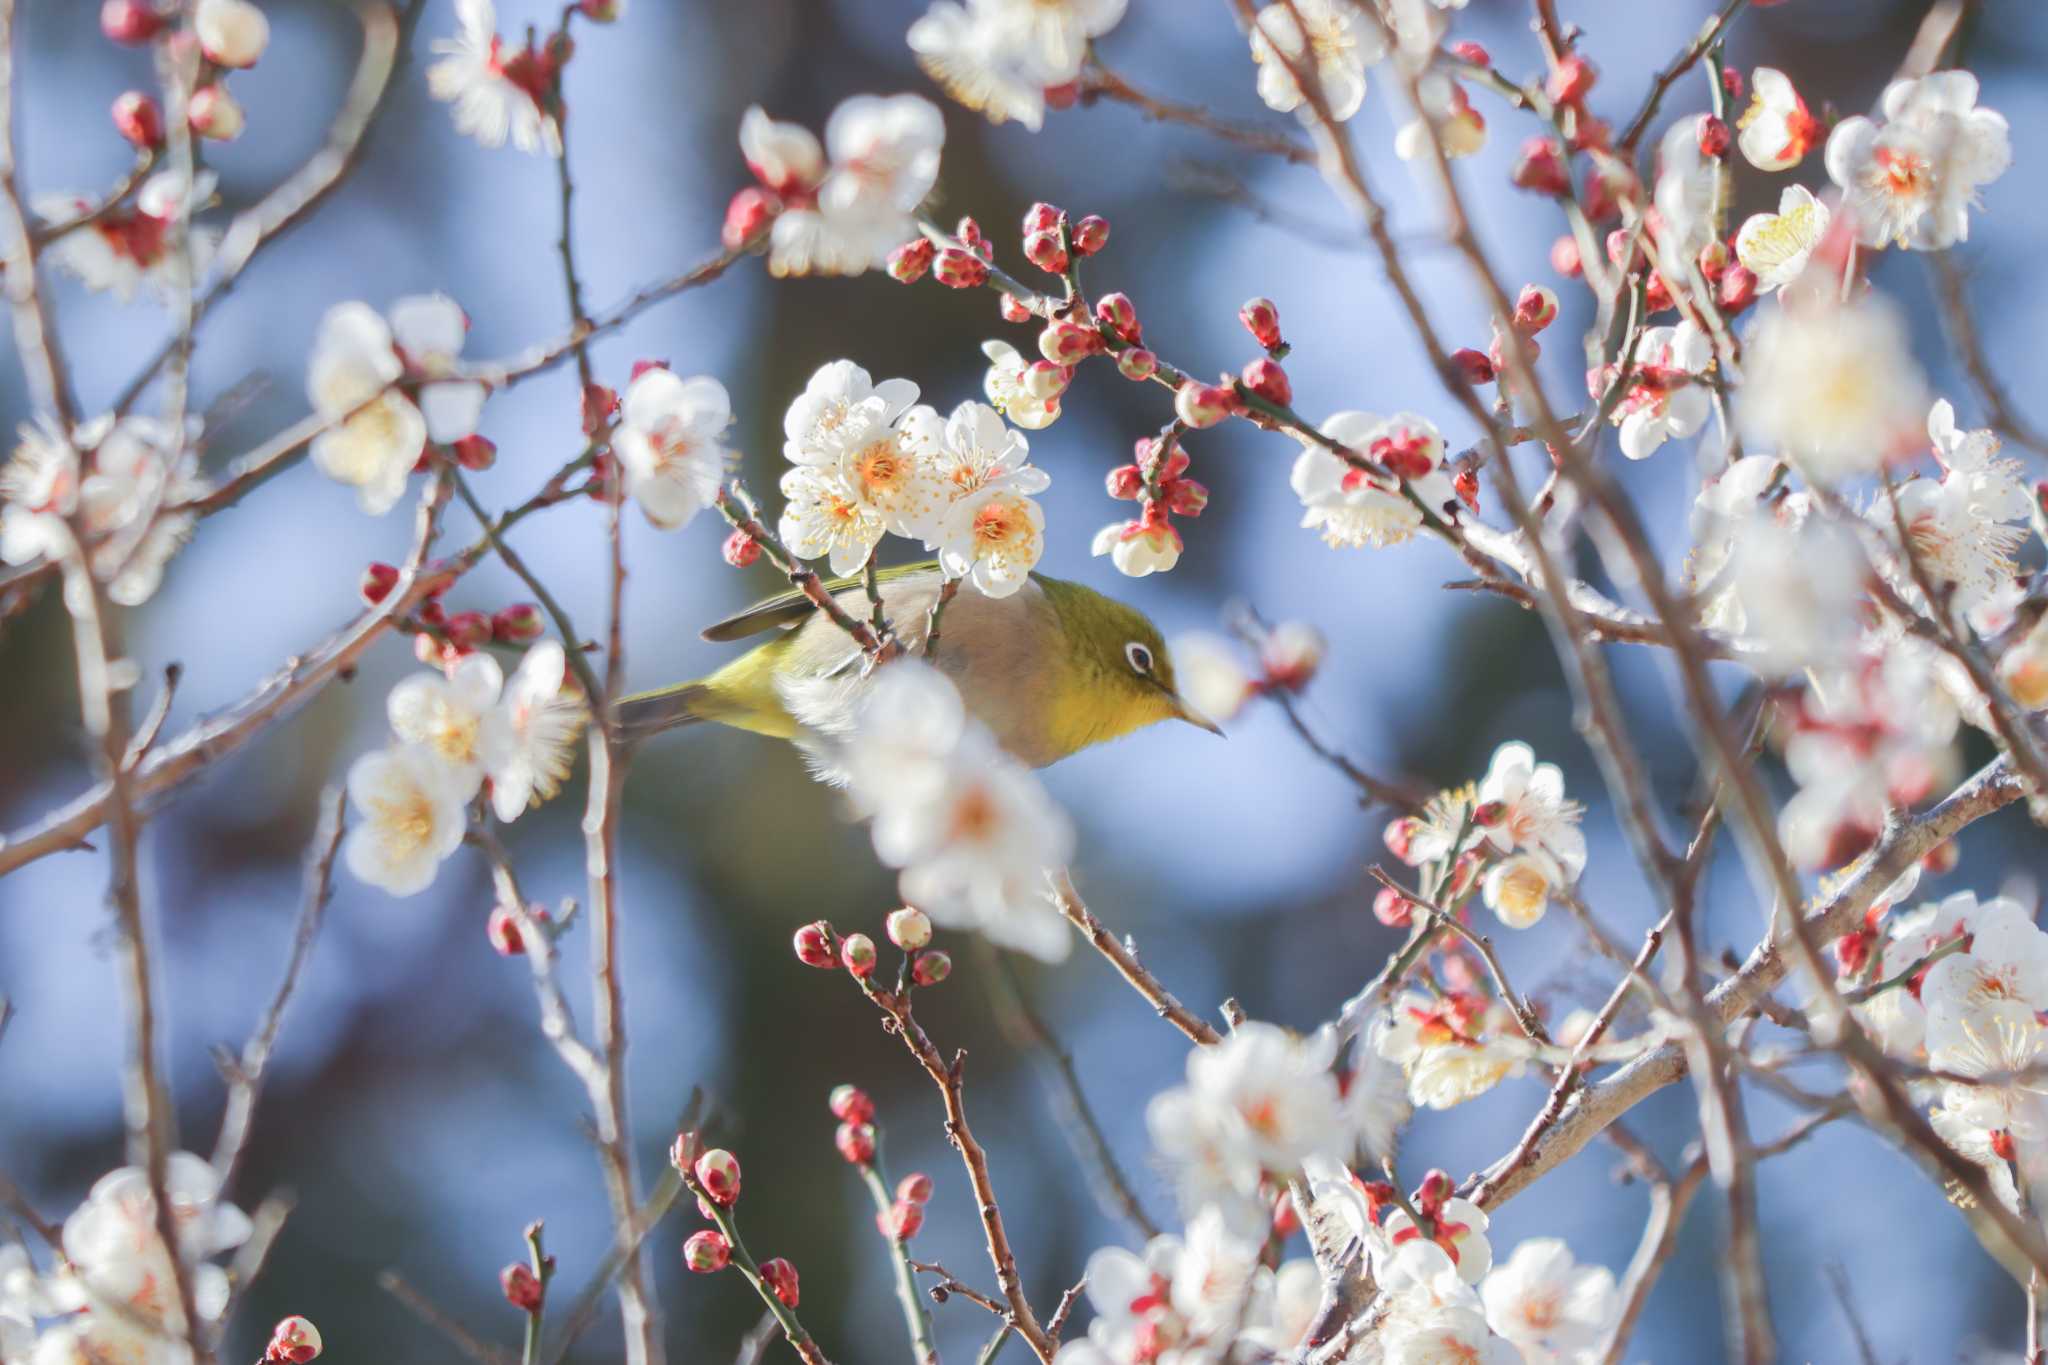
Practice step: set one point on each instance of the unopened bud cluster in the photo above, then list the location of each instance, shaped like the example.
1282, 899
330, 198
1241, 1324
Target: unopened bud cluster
442, 639
818, 945
229, 35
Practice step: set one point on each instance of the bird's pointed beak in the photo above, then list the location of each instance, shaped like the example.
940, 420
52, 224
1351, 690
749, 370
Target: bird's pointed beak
1187, 712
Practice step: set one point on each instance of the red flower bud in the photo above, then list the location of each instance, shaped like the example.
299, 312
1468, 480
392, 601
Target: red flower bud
683, 1152
377, 582
1090, 235
931, 968
1392, 909
856, 1142
901, 1221
504, 932
1737, 289
1046, 251
851, 1103
2002, 1145
1265, 378
1535, 309
1731, 82
1564, 258
1137, 363
1657, 294
815, 946
910, 262
294, 1341
1012, 308
518, 624
1262, 320
474, 452
1541, 168
857, 954
1069, 343
1466, 485
780, 1277
1045, 381
1473, 365
468, 630
718, 1171
747, 216
1185, 497
915, 1188
1120, 315
1041, 217
1400, 837
958, 269
1471, 52
740, 549
130, 22
522, 1287
1431, 1194
971, 236
1571, 80
1714, 136
137, 118
1203, 405
1713, 260
909, 928
1126, 481
707, 1252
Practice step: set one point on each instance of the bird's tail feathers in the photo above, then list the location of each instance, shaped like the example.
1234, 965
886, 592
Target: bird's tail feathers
649, 713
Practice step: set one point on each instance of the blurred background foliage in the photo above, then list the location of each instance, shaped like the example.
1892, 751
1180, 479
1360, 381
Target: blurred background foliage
414, 1109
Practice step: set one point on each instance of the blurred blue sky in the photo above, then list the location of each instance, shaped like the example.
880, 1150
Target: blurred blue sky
416, 1109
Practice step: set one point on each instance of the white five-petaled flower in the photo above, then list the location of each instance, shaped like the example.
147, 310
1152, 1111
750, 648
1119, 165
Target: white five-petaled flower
859, 469
1522, 808
428, 331
1006, 388
882, 159
1898, 1018
1445, 1336
2003, 973
1460, 1230
1912, 180
1333, 40
1452, 1050
454, 716
1138, 548
1776, 132
125, 248
988, 529
668, 444
410, 804
993, 539
543, 713
835, 393
1664, 400
999, 57
1777, 246
785, 157
376, 433
497, 93
1833, 385
1545, 1302
1352, 507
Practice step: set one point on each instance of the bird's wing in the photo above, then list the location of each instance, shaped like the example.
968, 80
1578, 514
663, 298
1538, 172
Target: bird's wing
791, 608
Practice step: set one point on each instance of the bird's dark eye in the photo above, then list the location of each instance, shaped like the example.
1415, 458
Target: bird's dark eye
1140, 657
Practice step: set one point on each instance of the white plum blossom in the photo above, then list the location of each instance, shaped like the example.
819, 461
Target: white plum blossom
1445, 1336
1549, 1305
1794, 586
1685, 193
1460, 129
1333, 38
868, 482
1834, 386
1721, 510
984, 523
1197, 1300
375, 433
2003, 972
999, 57
1006, 388
882, 159
542, 715
1898, 1018
126, 248
1776, 132
428, 331
410, 807
1143, 546
1353, 508
1912, 180
1522, 807
1664, 399
1777, 246
833, 396
668, 445
1451, 1050
1460, 1230
992, 539
499, 93
454, 716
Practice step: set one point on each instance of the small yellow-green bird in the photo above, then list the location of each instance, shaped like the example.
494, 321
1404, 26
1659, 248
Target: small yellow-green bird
1050, 669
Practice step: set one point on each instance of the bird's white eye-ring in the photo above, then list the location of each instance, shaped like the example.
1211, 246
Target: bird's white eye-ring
1140, 657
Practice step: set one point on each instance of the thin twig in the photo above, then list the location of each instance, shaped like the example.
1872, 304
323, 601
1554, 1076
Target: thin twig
1197, 1029
424, 1308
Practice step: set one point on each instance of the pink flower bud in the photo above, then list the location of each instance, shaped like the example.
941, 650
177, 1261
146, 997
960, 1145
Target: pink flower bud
1202, 405
1136, 362
1265, 378
857, 954
1400, 837
718, 1171
213, 113
931, 968
377, 582
910, 262
1713, 260
971, 236
475, 453
1291, 654
503, 930
747, 216
915, 1188
1430, 1196
1262, 320
130, 22
958, 269
468, 630
683, 1152
1471, 52
901, 1221
1564, 258
1731, 82
1466, 485
1041, 217
780, 1277
909, 928
1120, 315
1126, 481
740, 549
1046, 251
1657, 294
1535, 309
1541, 168
1571, 80
517, 624
1473, 365
815, 946
1069, 343
1737, 289
856, 1142
850, 1103
1044, 380
1714, 136
1392, 909
1090, 235
1185, 497
294, 1341
1012, 308
707, 1252
522, 1287
137, 118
